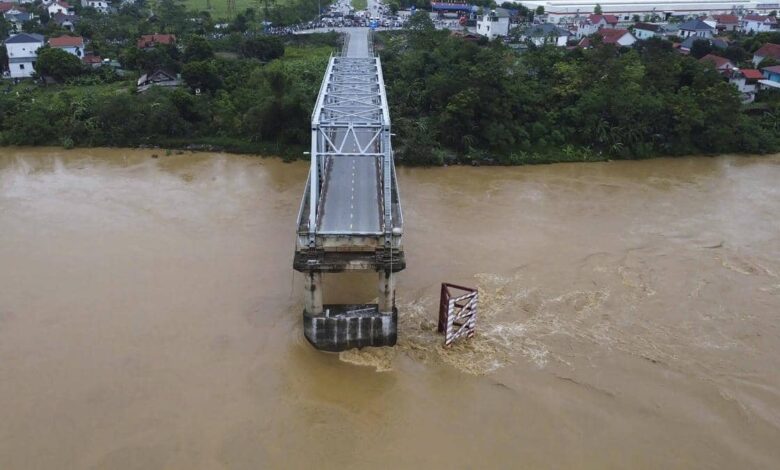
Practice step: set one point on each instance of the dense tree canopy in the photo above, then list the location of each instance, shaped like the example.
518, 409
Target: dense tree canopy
456, 99
58, 64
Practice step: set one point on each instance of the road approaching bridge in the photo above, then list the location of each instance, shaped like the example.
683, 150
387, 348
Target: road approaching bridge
350, 217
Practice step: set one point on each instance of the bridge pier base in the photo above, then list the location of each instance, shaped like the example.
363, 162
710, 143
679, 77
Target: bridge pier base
343, 327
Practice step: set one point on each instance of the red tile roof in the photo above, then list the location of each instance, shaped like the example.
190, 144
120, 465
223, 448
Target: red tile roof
4, 7
610, 19
769, 50
91, 59
67, 41
760, 18
611, 36
719, 62
726, 19
151, 40
752, 74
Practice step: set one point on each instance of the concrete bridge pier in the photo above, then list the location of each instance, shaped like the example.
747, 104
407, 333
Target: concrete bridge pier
386, 292
312, 288
350, 218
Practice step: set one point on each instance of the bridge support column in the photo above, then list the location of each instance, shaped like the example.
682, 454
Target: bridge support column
386, 292
312, 293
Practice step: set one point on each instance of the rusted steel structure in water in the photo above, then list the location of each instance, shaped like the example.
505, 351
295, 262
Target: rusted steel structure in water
457, 312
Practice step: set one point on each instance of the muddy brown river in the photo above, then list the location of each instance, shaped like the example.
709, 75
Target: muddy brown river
150, 318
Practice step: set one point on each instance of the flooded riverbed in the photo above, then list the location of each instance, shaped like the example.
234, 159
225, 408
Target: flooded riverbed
150, 318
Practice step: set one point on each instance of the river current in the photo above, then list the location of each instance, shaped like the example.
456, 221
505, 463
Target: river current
150, 318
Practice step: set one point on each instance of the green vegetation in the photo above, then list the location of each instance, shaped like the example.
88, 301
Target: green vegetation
244, 105
360, 4
279, 11
457, 100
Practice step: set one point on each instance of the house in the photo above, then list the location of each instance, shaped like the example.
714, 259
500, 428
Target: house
22, 54
148, 41
5, 6
603, 21
546, 33
103, 6
697, 28
715, 43
16, 17
70, 44
726, 23
721, 64
494, 24
772, 73
59, 7
767, 51
94, 61
65, 21
758, 24
617, 37
647, 30
158, 78
746, 82
593, 23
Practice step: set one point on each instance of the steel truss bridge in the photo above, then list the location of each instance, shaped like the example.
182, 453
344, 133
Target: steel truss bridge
350, 217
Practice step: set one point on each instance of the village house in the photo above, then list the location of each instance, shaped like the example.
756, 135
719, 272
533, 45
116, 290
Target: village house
647, 30
721, 64
159, 77
59, 7
593, 23
16, 16
617, 37
758, 24
726, 23
546, 33
772, 73
102, 6
715, 43
695, 28
65, 21
22, 54
149, 41
746, 82
94, 61
604, 21
70, 44
767, 51
493, 24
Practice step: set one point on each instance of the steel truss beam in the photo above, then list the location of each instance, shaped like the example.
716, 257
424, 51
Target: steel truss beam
351, 118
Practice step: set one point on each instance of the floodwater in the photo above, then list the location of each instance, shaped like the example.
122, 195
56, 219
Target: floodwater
150, 318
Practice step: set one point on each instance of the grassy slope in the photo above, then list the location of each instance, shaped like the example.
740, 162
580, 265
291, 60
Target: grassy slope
359, 5
219, 7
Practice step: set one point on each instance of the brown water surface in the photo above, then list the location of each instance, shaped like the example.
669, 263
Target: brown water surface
150, 318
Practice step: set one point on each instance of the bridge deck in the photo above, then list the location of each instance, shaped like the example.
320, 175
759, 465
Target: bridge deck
351, 197
350, 216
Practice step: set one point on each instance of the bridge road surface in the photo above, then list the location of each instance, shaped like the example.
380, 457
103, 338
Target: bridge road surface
351, 198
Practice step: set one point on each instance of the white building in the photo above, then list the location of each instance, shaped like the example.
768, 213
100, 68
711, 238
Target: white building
59, 7
100, 5
648, 30
758, 24
573, 11
494, 24
22, 54
696, 28
70, 44
546, 33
